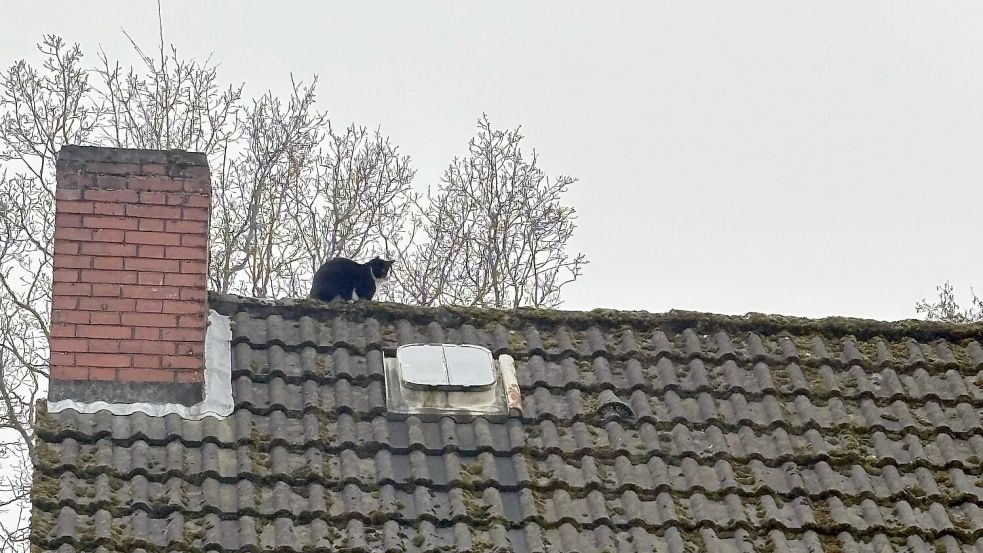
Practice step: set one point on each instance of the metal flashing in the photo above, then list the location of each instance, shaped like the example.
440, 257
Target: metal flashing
217, 391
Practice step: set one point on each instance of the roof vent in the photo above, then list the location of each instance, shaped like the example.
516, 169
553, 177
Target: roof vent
613, 407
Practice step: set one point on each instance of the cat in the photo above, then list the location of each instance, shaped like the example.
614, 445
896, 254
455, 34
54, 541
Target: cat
349, 280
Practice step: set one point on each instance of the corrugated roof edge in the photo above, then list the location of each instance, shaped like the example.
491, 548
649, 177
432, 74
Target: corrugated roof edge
677, 320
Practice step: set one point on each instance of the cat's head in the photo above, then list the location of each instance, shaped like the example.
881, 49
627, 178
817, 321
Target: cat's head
380, 268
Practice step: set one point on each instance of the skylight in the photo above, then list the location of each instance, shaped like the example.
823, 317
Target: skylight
448, 367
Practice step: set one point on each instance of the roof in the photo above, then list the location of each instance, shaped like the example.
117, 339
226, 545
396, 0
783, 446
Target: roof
755, 433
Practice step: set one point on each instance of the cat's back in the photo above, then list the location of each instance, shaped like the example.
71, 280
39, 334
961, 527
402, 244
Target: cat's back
337, 265
334, 278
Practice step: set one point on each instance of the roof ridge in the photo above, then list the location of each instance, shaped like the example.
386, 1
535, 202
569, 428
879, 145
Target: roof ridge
677, 320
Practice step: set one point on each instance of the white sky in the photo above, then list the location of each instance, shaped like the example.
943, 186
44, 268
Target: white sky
820, 158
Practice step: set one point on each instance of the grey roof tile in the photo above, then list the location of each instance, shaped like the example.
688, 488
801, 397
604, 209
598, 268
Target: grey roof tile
776, 435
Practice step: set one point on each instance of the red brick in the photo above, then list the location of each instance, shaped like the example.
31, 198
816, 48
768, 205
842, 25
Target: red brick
69, 373
183, 334
66, 247
68, 316
106, 304
108, 249
103, 359
104, 346
71, 233
151, 292
179, 279
178, 252
153, 211
65, 194
146, 346
112, 168
194, 241
67, 220
63, 330
162, 184
195, 213
108, 277
189, 376
109, 209
193, 294
155, 238
65, 359
152, 225
69, 344
149, 306
146, 361
188, 200
153, 169
103, 317
146, 375
61, 302
193, 320
107, 290
150, 251
158, 320
108, 235
107, 263
65, 275
74, 206
197, 186
113, 196
73, 180
72, 261
190, 348
192, 227
154, 264
150, 279
100, 373
102, 331
99, 222
181, 362
182, 307
155, 198
146, 333
194, 267
111, 182
199, 173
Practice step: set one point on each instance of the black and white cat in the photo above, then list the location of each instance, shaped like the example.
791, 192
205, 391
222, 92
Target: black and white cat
349, 280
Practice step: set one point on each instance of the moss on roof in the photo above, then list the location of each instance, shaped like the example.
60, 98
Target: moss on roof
675, 320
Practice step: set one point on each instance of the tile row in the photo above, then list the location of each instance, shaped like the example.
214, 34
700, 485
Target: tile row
917, 385
596, 341
934, 507
863, 474
286, 533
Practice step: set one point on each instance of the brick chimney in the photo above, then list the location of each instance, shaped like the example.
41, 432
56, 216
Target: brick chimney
129, 301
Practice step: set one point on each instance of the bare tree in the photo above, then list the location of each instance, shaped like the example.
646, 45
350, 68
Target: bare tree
41, 109
946, 308
495, 230
300, 193
173, 104
356, 201
250, 249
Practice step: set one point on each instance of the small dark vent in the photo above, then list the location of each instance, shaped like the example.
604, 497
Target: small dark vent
613, 408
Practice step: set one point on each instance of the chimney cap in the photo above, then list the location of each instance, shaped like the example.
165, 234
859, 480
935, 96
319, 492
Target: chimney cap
128, 155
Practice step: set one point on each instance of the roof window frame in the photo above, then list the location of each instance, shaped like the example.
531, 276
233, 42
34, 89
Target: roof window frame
482, 361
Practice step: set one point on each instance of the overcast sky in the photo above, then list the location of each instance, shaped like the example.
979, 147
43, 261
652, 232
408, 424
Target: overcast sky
820, 158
